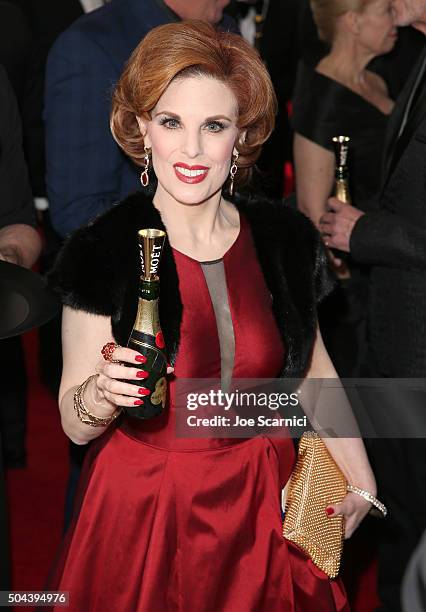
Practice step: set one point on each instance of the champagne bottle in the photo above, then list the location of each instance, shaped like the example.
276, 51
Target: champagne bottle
146, 336
341, 150
341, 192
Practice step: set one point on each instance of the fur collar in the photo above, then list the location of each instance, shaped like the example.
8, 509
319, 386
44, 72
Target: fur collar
97, 272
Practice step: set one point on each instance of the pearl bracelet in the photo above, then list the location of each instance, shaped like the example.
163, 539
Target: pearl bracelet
368, 497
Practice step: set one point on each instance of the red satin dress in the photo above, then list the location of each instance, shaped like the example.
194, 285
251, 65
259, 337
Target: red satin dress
165, 524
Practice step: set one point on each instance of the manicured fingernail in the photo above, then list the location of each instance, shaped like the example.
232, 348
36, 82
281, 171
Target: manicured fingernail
140, 358
141, 374
329, 511
143, 391
137, 402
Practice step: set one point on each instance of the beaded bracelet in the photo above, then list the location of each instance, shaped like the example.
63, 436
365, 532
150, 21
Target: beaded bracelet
83, 413
368, 497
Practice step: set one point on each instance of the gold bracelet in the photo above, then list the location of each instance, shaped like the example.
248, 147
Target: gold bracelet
368, 497
83, 413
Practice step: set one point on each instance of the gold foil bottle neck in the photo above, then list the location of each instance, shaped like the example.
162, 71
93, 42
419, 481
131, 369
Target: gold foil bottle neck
151, 243
341, 191
147, 319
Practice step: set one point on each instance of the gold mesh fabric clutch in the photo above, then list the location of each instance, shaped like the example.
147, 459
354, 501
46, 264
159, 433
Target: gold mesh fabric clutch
316, 482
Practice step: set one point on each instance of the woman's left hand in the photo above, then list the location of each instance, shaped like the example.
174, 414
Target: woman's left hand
353, 508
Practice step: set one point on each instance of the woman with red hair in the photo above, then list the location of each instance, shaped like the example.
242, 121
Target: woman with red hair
193, 524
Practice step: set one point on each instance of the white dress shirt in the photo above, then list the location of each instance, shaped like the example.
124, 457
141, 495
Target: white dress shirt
91, 5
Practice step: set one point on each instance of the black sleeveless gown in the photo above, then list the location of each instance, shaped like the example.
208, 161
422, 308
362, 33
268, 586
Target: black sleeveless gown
323, 108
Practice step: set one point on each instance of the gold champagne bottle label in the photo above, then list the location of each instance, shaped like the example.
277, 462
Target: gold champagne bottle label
151, 243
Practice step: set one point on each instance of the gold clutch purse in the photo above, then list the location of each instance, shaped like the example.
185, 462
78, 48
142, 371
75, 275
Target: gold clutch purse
316, 482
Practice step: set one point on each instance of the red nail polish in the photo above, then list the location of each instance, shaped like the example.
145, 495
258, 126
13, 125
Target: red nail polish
329, 511
142, 374
143, 391
137, 402
140, 358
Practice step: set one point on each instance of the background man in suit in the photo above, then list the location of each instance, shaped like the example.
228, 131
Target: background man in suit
45, 21
42, 21
86, 172
392, 240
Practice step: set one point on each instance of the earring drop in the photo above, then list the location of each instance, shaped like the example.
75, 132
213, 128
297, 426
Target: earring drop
233, 172
145, 172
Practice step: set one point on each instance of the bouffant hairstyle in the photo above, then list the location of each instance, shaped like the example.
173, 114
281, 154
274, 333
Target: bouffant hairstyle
326, 13
188, 49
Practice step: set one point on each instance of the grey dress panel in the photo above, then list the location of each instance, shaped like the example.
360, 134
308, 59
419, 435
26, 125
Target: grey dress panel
214, 273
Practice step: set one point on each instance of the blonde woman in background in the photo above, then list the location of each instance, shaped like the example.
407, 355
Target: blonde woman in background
341, 96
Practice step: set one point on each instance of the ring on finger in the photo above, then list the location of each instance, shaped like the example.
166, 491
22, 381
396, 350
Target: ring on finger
107, 352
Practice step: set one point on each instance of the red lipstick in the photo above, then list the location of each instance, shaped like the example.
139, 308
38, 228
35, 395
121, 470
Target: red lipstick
190, 174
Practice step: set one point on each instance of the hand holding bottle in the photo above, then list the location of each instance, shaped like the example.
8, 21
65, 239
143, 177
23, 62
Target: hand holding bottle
336, 226
120, 381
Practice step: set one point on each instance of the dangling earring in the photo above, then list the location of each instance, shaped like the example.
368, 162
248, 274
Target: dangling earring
145, 171
233, 172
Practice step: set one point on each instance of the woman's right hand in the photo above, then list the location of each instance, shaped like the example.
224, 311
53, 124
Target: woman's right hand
110, 388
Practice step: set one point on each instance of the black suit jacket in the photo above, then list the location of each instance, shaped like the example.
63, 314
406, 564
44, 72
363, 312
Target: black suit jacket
48, 18
15, 40
16, 203
28, 29
393, 241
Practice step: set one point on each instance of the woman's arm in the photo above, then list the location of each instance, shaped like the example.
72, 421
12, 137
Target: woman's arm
314, 169
83, 336
348, 453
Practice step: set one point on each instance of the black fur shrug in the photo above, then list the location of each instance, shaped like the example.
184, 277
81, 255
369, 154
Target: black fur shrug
98, 269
